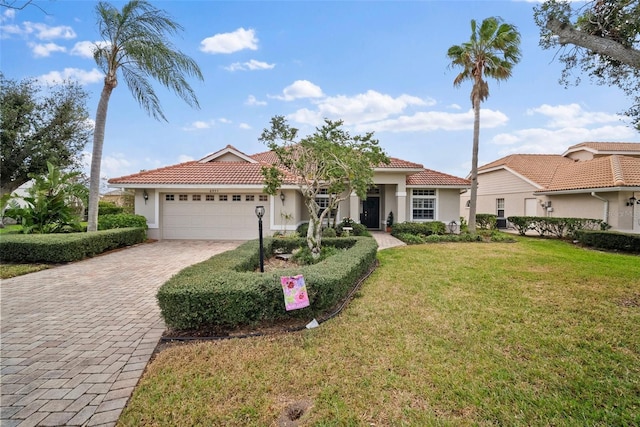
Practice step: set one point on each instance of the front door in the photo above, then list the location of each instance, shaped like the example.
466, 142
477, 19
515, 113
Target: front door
370, 216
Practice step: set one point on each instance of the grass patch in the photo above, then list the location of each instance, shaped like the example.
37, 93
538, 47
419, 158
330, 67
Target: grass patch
12, 270
534, 333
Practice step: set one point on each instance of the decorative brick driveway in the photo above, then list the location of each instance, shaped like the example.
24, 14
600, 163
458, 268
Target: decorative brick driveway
75, 339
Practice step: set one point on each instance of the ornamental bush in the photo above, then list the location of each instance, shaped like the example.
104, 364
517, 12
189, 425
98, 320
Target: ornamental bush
418, 228
555, 226
121, 220
57, 248
225, 290
487, 221
610, 240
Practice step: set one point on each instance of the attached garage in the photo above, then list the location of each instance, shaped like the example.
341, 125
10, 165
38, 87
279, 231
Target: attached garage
211, 216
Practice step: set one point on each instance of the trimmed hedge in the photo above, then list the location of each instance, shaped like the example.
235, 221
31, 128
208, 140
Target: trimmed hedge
610, 240
121, 220
418, 228
57, 248
559, 227
224, 291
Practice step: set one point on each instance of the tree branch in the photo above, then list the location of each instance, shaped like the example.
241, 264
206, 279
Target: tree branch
600, 45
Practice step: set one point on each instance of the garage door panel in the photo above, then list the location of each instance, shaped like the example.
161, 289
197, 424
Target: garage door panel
207, 220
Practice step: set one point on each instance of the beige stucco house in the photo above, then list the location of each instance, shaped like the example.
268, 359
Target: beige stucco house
215, 197
599, 180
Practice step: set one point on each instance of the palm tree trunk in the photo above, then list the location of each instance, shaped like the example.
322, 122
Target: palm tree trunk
96, 157
474, 165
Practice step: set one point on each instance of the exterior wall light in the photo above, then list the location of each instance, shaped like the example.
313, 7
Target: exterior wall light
632, 201
145, 196
282, 197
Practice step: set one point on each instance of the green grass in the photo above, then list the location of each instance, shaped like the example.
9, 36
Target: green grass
533, 333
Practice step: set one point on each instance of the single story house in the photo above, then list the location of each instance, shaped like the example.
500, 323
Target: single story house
599, 180
215, 197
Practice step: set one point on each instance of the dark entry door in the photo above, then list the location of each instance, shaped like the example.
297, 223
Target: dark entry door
370, 216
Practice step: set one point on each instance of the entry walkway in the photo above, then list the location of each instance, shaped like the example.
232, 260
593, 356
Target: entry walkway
75, 339
386, 240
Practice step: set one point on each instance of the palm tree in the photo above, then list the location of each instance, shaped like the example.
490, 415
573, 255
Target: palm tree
492, 51
136, 45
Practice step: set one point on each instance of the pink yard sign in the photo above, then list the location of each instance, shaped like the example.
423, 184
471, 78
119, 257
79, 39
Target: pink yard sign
295, 292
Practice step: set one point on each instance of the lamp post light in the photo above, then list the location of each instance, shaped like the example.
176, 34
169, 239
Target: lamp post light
260, 214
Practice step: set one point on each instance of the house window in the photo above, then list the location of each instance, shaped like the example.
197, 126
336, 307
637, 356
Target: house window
236, 198
196, 198
210, 197
423, 205
249, 198
500, 208
169, 197
183, 197
263, 198
222, 197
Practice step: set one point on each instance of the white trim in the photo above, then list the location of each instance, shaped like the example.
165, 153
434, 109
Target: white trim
402, 193
508, 169
227, 150
156, 210
194, 187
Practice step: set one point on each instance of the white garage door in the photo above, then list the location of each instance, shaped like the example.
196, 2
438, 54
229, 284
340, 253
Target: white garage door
212, 216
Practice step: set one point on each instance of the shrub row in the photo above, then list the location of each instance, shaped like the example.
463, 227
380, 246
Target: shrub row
224, 291
559, 227
418, 228
121, 220
57, 248
485, 236
610, 240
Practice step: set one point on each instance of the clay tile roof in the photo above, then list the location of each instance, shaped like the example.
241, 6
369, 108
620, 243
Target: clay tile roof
434, 178
608, 146
603, 172
197, 173
538, 168
266, 157
396, 163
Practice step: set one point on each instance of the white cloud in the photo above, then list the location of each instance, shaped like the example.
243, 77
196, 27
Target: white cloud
251, 100
361, 109
7, 31
182, 158
224, 120
85, 48
44, 50
571, 115
199, 125
455, 107
300, 89
45, 32
82, 76
567, 125
8, 15
555, 141
427, 121
251, 65
238, 40
115, 165
244, 126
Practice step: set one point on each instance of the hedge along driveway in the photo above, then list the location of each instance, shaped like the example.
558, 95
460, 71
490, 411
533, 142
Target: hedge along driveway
76, 338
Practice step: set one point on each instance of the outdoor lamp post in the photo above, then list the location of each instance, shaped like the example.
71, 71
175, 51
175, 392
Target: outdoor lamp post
260, 214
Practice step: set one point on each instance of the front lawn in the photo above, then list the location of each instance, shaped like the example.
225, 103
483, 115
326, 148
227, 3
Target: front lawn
532, 333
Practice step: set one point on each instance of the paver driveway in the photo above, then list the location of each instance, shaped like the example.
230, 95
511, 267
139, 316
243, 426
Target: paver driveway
75, 339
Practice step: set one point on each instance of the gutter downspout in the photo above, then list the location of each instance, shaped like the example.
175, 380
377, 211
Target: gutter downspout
606, 206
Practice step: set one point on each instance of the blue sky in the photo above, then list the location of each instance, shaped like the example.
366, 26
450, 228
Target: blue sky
379, 65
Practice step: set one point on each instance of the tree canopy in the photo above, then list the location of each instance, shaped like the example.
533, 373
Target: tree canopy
40, 125
330, 161
601, 38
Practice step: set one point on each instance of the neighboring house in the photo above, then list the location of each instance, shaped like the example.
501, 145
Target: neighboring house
122, 198
599, 180
215, 197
